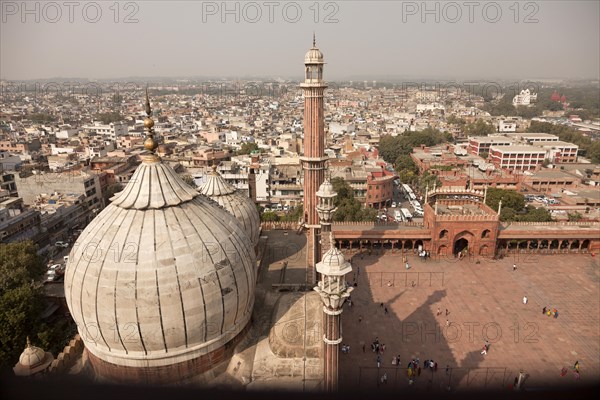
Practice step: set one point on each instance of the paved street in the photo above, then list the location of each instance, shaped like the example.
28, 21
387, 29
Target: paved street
485, 302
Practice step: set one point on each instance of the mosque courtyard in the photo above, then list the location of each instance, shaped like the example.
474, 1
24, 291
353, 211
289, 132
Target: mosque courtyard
484, 299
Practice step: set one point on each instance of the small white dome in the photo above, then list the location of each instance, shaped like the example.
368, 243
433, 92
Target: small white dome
32, 360
313, 56
32, 356
333, 263
326, 189
240, 206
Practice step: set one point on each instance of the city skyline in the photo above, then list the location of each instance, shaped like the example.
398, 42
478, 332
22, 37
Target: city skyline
385, 40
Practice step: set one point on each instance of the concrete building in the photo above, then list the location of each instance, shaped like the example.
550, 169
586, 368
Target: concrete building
68, 182
9, 162
517, 156
479, 145
559, 152
112, 131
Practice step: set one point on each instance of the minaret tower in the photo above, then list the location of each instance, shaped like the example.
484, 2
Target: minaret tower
313, 159
334, 291
325, 208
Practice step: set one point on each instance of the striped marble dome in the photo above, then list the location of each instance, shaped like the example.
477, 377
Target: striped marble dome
240, 206
161, 276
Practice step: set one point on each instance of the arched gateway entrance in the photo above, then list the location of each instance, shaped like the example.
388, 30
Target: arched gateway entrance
461, 242
460, 245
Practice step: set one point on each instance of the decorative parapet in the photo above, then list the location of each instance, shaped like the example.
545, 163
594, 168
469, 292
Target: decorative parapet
68, 357
553, 223
286, 225
466, 218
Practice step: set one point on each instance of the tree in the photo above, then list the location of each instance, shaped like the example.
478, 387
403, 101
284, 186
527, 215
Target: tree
349, 208
21, 299
107, 118
189, 180
535, 215
269, 216
479, 128
510, 199
593, 152
247, 148
575, 216
294, 214
507, 214
392, 147
113, 189
405, 162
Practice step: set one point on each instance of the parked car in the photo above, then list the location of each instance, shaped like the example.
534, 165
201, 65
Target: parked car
61, 244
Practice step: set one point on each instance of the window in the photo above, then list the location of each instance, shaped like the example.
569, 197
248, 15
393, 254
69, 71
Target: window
485, 234
443, 234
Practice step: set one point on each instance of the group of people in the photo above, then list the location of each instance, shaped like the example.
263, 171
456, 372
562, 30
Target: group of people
550, 312
377, 347
345, 348
424, 255
564, 370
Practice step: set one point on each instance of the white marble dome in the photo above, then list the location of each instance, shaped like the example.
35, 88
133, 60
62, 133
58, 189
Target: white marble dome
161, 276
313, 56
240, 206
32, 360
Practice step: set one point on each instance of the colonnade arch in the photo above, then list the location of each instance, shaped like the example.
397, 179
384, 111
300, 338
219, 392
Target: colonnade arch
544, 245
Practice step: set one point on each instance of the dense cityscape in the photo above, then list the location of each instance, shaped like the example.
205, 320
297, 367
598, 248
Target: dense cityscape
227, 221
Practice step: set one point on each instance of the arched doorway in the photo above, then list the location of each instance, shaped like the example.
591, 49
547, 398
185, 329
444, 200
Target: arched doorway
460, 245
484, 250
443, 250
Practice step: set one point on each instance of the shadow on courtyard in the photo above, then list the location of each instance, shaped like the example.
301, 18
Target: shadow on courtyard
415, 334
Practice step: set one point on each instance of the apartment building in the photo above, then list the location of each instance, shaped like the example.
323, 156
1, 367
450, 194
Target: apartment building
517, 156
481, 144
559, 152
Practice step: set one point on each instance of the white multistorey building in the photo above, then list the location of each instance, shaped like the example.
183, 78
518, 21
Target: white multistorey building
524, 98
112, 130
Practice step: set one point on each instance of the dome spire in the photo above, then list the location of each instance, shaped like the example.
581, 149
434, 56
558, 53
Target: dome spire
150, 144
314, 39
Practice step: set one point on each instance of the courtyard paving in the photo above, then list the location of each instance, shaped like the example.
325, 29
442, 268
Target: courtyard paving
484, 299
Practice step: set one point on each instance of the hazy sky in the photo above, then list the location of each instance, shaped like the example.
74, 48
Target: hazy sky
360, 39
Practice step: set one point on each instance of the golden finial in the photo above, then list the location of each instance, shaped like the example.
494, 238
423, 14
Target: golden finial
148, 109
214, 170
314, 39
149, 144
28, 342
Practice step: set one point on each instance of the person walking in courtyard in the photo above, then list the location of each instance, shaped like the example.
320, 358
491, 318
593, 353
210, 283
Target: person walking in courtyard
514, 267
438, 312
384, 378
524, 299
447, 312
407, 267
544, 311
